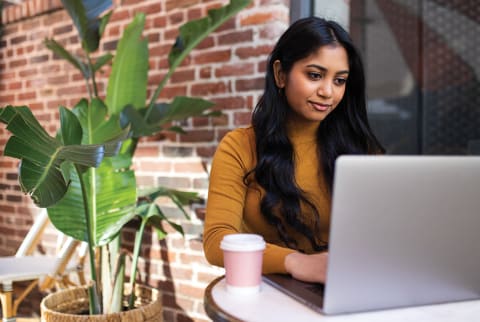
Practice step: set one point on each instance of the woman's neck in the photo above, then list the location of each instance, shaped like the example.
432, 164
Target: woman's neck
301, 131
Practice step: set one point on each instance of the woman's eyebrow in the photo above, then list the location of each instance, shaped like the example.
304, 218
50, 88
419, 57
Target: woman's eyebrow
341, 72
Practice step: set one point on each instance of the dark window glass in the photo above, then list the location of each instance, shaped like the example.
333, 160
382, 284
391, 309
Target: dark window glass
423, 65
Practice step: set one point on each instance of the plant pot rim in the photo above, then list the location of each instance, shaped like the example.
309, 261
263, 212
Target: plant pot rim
66, 305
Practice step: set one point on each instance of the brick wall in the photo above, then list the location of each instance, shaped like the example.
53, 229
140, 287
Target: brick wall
226, 68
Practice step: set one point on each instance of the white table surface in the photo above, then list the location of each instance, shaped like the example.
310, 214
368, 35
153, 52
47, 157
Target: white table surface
26, 268
272, 305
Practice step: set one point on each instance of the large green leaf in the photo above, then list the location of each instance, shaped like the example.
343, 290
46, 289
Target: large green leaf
111, 191
181, 108
127, 84
192, 33
102, 61
97, 126
42, 155
60, 51
85, 16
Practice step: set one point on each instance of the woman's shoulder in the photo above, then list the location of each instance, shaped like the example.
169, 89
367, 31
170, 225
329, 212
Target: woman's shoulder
243, 136
239, 142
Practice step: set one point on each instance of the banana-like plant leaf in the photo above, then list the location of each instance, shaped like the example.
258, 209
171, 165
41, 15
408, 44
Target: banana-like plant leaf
97, 128
192, 33
127, 84
139, 126
180, 198
155, 217
84, 14
60, 51
102, 61
104, 22
111, 190
181, 108
42, 155
176, 129
70, 127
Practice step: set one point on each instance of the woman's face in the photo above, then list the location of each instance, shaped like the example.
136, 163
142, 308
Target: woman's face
315, 84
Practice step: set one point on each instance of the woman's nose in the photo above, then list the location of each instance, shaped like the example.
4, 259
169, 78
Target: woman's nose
325, 89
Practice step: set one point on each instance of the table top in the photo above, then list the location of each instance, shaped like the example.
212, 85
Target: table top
25, 268
271, 304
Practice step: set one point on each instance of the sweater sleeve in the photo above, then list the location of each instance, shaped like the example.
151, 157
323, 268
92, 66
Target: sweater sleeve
233, 158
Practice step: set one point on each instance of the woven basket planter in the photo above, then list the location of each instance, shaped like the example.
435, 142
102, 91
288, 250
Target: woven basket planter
70, 305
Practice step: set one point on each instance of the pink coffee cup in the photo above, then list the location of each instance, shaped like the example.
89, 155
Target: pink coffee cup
243, 257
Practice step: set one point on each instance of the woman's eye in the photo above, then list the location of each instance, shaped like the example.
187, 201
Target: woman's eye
340, 81
314, 76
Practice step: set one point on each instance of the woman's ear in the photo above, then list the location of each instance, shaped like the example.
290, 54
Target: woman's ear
278, 74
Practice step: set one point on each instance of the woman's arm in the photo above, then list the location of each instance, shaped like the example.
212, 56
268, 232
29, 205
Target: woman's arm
226, 200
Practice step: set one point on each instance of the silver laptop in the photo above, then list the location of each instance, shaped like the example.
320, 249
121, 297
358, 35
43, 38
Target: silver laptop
405, 231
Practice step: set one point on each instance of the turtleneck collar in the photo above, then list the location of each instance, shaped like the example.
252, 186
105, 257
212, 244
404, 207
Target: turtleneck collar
302, 131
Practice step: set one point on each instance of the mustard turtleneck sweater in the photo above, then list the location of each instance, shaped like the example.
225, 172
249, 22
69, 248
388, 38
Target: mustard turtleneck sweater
234, 207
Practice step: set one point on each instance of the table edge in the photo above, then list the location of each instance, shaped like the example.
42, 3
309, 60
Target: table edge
213, 310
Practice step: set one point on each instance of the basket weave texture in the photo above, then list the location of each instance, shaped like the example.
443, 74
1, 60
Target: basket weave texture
68, 306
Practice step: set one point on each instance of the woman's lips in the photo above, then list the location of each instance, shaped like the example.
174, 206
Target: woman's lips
320, 107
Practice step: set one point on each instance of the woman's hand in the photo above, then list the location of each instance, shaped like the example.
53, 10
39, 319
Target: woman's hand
307, 268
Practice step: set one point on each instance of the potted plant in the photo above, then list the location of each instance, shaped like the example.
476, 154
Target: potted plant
83, 176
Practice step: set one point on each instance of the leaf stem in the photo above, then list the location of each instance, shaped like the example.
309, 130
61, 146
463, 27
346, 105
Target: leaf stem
136, 254
95, 302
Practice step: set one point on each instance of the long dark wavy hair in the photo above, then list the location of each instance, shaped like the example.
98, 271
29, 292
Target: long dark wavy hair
344, 131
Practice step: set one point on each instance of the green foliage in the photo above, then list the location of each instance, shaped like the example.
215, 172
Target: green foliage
84, 175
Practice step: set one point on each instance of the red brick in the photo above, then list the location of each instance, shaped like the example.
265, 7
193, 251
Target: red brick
221, 120
250, 84
159, 22
247, 52
225, 103
206, 72
14, 85
172, 91
171, 34
17, 63
241, 118
235, 37
235, 70
176, 18
17, 40
9, 98
160, 50
206, 151
149, 9
27, 72
189, 167
190, 291
228, 25
195, 13
175, 4
147, 151
39, 59
209, 88
258, 18
27, 96
183, 76
208, 42
120, 15
155, 166
197, 136
213, 57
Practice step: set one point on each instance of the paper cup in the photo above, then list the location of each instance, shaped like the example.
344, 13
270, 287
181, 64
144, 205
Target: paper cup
243, 257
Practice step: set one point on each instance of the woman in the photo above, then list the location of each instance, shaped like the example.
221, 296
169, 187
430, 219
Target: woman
275, 178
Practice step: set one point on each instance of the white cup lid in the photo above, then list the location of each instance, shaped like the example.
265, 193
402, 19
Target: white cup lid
242, 242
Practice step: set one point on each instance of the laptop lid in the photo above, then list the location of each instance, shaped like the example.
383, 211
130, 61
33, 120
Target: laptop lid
405, 231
